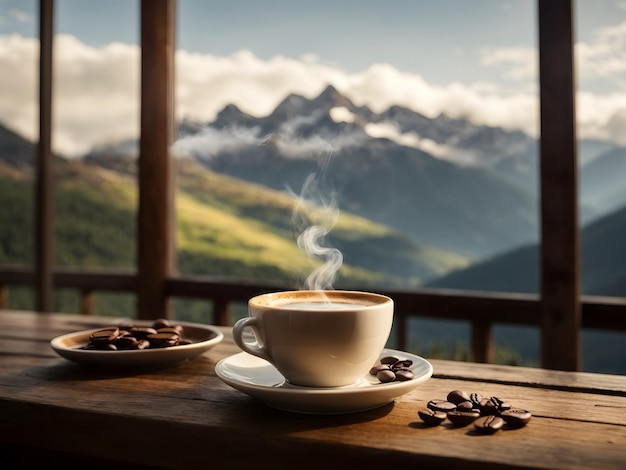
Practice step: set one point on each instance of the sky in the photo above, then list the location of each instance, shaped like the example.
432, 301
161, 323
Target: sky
474, 59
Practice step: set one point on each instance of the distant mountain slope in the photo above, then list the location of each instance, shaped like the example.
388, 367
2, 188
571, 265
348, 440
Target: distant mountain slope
603, 180
513, 271
603, 264
15, 150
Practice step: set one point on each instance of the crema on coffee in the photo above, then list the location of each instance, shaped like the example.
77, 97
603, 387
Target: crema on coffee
321, 305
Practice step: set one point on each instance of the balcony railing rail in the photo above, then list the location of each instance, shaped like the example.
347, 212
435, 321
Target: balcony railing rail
481, 310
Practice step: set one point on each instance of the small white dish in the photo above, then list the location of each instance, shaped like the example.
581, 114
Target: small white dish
202, 337
259, 379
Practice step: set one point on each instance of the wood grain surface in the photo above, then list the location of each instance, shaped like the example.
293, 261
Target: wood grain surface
52, 410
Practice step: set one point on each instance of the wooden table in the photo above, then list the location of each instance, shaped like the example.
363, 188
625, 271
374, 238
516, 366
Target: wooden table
53, 411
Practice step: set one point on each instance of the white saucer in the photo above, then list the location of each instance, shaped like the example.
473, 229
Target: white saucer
202, 337
258, 378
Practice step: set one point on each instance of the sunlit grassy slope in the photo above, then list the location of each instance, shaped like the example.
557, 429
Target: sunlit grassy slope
227, 219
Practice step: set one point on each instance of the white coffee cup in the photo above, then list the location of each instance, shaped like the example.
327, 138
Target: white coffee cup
318, 338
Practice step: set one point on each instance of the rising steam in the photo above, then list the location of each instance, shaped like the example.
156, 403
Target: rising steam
314, 217
315, 212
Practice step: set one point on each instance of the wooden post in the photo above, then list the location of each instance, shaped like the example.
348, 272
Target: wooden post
402, 331
4, 297
156, 218
86, 302
44, 196
482, 342
221, 312
560, 238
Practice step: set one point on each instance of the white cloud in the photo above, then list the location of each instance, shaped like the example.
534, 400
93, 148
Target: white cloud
210, 141
605, 54
96, 89
20, 15
96, 93
599, 116
17, 15
341, 114
518, 63
603, 57
18, 83
306, 147
390, 131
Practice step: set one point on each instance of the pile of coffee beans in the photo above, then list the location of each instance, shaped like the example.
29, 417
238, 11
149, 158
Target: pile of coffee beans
393, 368
161, 334
488, 414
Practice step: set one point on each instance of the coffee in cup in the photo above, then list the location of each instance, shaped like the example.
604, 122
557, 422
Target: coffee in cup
318, 338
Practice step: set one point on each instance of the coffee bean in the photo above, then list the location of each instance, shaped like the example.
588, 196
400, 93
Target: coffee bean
501, 404
402, 363
106, 335
476, 398
132, 337
141, 332
488, 407
386, 376
389, 360
100, 346
162, 340
463, 418
392, 368
515, 417
458, 396
160, 323
432, 417
465, 406
126, 342
441, 405
487, 414
168, 329
404, 374
376, 369
179, 328
488, 424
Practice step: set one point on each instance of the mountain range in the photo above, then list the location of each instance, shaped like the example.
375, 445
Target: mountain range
464, 188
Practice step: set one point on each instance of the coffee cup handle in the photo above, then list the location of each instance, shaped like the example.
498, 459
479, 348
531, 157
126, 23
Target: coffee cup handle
255, 350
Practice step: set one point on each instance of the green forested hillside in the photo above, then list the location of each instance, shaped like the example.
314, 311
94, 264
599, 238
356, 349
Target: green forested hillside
225, 227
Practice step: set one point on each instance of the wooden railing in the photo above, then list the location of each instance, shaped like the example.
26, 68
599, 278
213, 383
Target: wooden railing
480, 309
